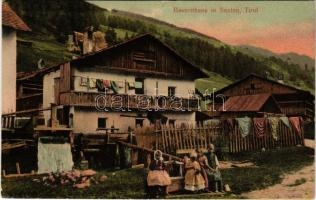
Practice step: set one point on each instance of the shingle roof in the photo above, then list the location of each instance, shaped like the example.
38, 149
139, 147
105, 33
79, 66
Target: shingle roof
246, 103
22, 76
11, 19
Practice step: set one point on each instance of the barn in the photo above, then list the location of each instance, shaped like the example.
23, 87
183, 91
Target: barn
255, 95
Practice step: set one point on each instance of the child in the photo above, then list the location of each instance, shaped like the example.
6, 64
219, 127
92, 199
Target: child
158, 179
204, 167
193, 178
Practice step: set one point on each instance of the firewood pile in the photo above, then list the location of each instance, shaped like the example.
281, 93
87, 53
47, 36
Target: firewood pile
77, 178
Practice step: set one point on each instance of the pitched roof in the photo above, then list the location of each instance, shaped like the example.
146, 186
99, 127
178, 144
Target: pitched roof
199, 72
246, 103
264, 79
11, 19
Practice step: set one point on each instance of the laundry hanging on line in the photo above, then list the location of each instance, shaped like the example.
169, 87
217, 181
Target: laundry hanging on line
114, 87
83, 81
285, 121
212, 122
92, 83
260, 126
274, 122
244, 125
296, 124
99, 84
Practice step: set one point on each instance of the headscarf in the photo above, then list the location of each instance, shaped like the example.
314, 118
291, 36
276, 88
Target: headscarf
160, 158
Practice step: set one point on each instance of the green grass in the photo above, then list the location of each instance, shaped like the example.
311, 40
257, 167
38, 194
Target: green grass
43, 46
271, 165
207, 84
215, 81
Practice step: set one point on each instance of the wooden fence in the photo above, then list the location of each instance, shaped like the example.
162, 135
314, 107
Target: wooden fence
286, 137
172, 140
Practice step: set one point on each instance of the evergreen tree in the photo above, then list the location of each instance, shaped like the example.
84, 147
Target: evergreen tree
110, 36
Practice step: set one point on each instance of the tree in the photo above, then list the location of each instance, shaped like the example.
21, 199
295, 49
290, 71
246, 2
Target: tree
110, 36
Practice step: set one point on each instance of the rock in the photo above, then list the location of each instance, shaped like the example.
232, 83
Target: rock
227, 188
88, 172
83, 185
76, 173
103, 178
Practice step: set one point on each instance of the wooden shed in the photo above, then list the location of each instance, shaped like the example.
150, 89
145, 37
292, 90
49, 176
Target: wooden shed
254, 90
249, 105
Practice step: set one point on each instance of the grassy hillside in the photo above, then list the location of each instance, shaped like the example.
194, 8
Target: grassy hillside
52, 21
43, 47
291, 57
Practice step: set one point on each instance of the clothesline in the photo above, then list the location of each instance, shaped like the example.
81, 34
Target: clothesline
102, 84
125, 81
263, 125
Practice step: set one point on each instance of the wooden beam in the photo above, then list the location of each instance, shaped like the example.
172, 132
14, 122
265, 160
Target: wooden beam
29, 96
31, 88
26, 111
19, 175
148, 150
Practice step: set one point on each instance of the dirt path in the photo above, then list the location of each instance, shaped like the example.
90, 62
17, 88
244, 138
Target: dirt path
299, 184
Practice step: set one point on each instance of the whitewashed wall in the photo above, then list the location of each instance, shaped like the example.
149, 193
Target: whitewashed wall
87, 121
8, 70
183, 87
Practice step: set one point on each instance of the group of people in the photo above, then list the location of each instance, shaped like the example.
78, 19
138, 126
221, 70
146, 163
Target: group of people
201, 173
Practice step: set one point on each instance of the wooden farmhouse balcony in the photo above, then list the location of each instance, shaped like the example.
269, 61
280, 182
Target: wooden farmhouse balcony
28, 102
124, 101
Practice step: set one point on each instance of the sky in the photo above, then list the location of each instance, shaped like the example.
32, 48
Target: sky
279, 26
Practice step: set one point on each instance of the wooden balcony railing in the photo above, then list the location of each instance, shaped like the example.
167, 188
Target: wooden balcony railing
28, 102
124, 101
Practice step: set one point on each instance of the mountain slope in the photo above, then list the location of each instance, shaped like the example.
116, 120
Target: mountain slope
52, 21
291, 57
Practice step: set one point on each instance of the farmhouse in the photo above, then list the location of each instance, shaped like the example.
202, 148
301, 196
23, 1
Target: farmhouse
136, 83
256, 95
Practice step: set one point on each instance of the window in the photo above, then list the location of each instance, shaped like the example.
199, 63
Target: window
63, 115
172, 122
171, 91
139, 122
102, 122
144, 60
139, 86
